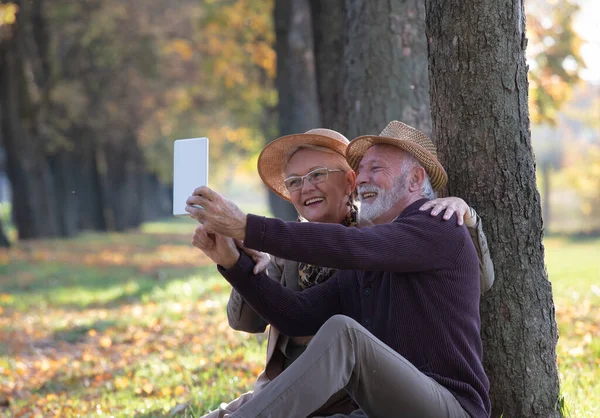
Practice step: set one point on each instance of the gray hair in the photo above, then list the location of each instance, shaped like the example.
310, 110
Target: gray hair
426, 188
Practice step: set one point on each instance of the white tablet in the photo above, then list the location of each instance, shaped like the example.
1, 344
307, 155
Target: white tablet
190, 170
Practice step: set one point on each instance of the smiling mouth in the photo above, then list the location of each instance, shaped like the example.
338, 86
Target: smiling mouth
368, 195
313, 200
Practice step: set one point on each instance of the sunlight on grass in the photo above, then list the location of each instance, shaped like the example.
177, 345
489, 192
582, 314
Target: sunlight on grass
574, 270
134, 324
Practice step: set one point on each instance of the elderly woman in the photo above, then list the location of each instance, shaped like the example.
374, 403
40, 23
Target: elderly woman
311, 171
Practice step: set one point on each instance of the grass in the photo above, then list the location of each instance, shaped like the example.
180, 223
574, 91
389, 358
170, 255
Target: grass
574, 270
119, 324
133, 325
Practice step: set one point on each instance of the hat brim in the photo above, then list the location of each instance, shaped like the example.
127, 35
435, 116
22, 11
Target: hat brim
358, 146
273, 157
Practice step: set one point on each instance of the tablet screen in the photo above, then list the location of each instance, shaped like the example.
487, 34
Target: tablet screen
190, 170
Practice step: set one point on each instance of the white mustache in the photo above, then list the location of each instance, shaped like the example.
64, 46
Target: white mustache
367, 189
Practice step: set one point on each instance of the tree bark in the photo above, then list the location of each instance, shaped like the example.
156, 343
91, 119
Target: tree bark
329, 29
298, 105
123, 184
66, 173
385, 67
156, 199
90, 194
545, 168
33, 200
480, 121
4, 242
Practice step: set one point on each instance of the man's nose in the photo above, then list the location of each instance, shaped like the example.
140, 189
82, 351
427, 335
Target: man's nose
362, 178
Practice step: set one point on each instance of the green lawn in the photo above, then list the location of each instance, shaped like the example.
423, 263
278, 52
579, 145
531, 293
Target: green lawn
574, 270
134, 324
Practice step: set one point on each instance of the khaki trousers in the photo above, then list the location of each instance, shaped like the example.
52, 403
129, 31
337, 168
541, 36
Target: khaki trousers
344, 355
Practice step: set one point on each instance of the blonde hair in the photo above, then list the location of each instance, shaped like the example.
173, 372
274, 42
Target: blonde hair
341, 160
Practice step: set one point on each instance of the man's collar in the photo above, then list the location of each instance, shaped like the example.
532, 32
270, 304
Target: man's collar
414, 206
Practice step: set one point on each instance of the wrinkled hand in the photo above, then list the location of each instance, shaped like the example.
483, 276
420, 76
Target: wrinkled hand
222, 250
217, 214
449, 205
261, 260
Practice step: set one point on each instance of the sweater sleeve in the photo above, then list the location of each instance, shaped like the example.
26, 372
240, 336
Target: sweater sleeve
292, 313
409, 244
486, 265
240, 315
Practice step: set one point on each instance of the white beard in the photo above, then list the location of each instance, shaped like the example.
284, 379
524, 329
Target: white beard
384, 200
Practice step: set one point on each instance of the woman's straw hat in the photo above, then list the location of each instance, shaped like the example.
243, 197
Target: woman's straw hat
274, 157
410, 140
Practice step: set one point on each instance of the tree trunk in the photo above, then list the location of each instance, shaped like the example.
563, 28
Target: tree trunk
123, 184
298, 105
329, 37
66, 174
480, 121
545, 170
4, 242
156, 199
33, 200
385, 66
92, 201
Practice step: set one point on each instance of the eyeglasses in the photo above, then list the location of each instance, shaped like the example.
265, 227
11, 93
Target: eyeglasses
318, 175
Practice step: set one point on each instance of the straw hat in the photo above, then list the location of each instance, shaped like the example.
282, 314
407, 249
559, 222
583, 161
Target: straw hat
410, 140
274, 157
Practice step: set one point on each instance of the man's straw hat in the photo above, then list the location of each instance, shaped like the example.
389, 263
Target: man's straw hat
274, 157
407, 138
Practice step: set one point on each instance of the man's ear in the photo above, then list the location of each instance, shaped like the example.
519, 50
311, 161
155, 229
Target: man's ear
417, 177
350, 182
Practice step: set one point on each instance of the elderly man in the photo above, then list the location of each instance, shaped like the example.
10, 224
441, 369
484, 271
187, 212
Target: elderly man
399, 327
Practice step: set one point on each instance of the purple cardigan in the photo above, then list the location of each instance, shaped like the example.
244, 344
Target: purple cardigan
414, 283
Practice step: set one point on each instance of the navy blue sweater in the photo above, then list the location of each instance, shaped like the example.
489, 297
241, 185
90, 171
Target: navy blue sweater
414, 283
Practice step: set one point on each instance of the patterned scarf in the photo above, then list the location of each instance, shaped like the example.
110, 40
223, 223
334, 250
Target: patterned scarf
309, 275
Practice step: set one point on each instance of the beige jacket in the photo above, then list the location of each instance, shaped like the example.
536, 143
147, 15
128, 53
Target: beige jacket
243, 318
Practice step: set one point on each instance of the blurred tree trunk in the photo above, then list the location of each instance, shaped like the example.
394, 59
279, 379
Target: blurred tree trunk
298, 105
156, 199
92, 202
4, 242
371, 64
66, 173
123, 184
480, 119
30, 176
329, 38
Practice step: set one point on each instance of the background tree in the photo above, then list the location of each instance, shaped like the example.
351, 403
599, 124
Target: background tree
298, 106
555, 59
334, 71
24, 92
371, 64
479, 87
94, 93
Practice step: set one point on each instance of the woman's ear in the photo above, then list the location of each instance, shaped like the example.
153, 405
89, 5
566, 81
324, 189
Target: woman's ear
350, 182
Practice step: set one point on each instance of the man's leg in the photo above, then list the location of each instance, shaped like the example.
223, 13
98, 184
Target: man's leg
343, 354
226, 410
355, 414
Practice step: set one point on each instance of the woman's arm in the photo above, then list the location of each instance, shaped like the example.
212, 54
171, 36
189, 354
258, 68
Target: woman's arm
486, 265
